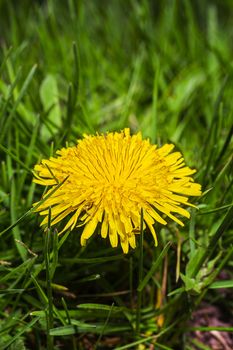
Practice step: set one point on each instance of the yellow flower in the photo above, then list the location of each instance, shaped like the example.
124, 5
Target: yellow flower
109, 180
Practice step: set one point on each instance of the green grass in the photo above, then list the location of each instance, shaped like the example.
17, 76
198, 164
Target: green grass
70, 67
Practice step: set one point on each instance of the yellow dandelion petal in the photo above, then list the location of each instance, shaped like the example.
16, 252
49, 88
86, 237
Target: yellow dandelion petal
104, 227
107, 179
132, 241
125, 245
89, 229
113, 237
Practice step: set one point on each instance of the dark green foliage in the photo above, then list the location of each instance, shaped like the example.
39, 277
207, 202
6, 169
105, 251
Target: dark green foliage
70, 67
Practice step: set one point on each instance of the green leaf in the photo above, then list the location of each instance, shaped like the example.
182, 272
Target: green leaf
100, 307
193, 262
75, 327
191, 284
221, 284
61, 331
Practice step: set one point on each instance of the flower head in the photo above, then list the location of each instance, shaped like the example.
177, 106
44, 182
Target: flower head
109, 179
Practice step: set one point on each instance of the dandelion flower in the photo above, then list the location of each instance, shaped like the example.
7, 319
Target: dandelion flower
109, 179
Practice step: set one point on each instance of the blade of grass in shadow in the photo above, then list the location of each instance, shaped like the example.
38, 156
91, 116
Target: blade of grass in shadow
128, 315
55, 248
153, 337
140, 276
224, 147
153, 268
104, 327
44, 300
74, 343
23, 330
92, 260
50, 342
7, 53
207, 329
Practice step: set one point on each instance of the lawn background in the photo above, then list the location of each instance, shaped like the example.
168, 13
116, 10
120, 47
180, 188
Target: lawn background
74, 67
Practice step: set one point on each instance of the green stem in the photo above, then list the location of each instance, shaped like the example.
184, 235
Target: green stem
50, 344
140, 276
